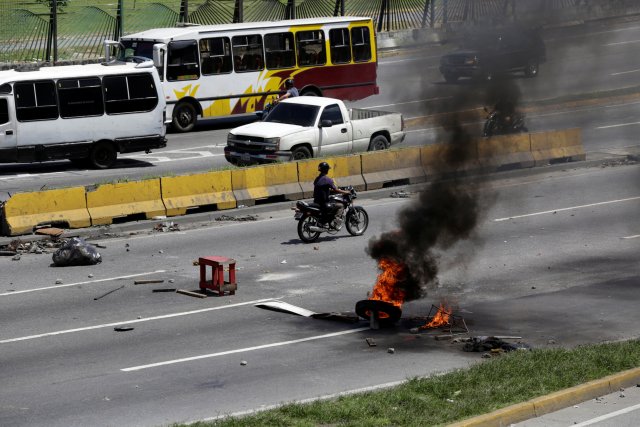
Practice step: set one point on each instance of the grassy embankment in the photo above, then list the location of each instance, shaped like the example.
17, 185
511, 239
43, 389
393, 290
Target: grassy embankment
495, 383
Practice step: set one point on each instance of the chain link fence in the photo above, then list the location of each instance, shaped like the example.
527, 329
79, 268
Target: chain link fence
35, 31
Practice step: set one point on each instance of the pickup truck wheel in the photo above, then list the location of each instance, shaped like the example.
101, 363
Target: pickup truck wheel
380, 142
300, 153
184, 117
103, 155
531, 70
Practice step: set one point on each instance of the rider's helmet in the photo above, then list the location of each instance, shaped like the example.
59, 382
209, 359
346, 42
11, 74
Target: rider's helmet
324, 167
288, 83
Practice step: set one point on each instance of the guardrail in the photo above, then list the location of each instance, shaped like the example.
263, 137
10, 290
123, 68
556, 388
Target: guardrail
80, 207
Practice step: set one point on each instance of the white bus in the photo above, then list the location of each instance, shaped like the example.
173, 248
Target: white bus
84, 113
218, 70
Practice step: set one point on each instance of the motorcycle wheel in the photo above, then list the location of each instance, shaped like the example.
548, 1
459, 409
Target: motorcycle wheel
357, 221
304, 233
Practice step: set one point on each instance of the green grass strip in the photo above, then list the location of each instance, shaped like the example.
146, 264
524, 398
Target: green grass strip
439, 400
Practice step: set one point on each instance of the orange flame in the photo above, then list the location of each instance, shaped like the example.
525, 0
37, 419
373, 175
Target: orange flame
386, 288
441, 318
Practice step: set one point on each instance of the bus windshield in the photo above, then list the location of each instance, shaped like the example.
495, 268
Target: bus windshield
130, 50
293, 114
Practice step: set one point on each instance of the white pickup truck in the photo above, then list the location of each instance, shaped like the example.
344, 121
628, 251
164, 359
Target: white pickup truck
308, 126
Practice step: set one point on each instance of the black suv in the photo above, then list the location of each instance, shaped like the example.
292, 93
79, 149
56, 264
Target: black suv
487, 54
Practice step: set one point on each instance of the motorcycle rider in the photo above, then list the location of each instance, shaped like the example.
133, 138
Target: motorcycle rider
291, 90
323, 186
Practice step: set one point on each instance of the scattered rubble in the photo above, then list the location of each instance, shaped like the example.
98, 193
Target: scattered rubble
400, 194
370, 342
191, 294
166, 226
147, 281
237, 218
123, 328
497, 343
107, 293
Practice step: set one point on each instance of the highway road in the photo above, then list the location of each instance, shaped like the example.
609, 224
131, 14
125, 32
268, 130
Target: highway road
553, 259
583, 62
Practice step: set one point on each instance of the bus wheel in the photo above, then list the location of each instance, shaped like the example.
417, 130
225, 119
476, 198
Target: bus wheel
184, 117
103, 155
300, 153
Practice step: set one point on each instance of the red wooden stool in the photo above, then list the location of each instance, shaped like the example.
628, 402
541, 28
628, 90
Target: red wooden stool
217, 282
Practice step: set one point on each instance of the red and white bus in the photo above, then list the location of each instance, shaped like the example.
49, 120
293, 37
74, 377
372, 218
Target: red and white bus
219, 70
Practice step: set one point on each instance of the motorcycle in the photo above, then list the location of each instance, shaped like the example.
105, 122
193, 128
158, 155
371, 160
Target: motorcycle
312, 222
497, 124
267, 108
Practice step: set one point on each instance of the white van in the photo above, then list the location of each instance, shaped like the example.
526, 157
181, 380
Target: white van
84, 113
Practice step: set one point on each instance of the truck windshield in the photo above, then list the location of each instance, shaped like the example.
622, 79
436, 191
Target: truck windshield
130, 50
294, 114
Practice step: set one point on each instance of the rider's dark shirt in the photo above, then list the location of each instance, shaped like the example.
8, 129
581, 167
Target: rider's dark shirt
322, 186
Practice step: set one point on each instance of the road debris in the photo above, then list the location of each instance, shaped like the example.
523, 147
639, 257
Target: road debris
15, 258
391, 350
123, 328
107, 293
8, 253
490, 343
400, 194
191, 294
76, 251
237, 218
243, 363
50, 231
166, 226
370, 342
147, 281
165, 290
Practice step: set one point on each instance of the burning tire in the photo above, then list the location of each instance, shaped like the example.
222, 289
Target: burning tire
304, 231
385, 313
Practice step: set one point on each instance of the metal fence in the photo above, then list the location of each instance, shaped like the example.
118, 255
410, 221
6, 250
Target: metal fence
55, 30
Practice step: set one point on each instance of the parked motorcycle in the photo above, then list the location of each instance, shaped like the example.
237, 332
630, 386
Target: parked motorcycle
312, 222
499, 124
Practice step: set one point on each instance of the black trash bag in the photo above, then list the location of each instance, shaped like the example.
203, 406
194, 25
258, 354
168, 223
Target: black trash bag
76, 251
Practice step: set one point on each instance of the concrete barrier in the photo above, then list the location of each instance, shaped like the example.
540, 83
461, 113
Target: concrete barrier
392, 167
277, 181
211, 190
139, 199
557, 147
345, 170
65, 208
504, 152
444, 159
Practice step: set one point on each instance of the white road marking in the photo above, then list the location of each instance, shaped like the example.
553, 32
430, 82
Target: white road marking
407, 102
618, 125
243, 350
624, 72
88, 282
607, 416
130, 322
632, 237
619, 43
567, 209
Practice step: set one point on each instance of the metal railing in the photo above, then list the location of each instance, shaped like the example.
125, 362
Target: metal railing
56, 30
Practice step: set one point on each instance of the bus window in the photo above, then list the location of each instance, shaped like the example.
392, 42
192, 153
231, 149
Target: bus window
311, 49
340, 46
183, 61
36, 101
361, 44
4, 111
279, 50
129, 94
215, 56
80, 97
247, 53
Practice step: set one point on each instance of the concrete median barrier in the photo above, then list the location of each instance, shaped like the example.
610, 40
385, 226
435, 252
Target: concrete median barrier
345, 170
65, 208
266, 183
126, 200
505, 152
557, 147
444, 159
392, 167
204, 191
